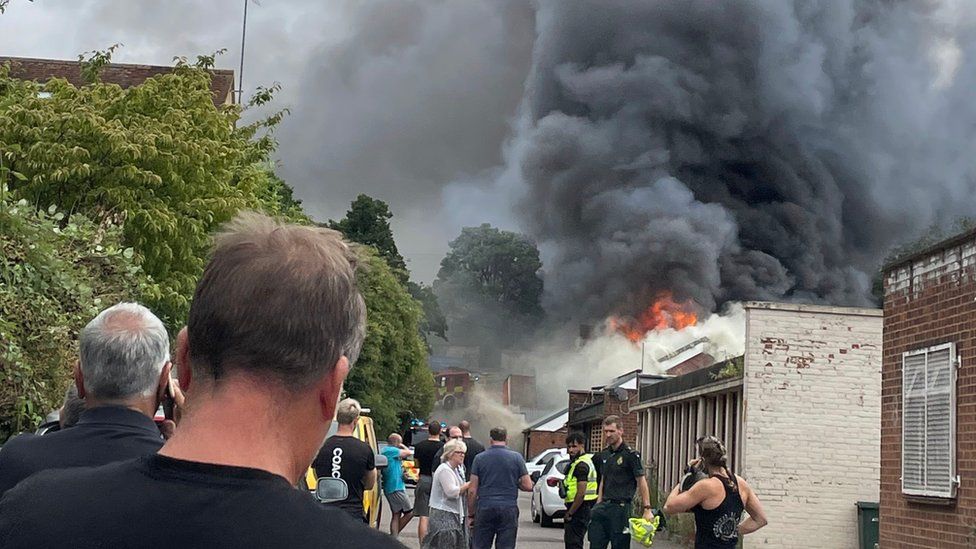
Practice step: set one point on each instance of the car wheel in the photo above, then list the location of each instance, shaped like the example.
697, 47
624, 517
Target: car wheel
535, 511
545, 519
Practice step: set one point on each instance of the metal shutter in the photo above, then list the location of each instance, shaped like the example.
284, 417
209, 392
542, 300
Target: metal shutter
928, 422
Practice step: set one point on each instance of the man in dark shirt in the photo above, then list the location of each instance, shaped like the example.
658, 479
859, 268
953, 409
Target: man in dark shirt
274, 326
621, 475
474, 447
345, 456
497, 475
122, 373
423, 454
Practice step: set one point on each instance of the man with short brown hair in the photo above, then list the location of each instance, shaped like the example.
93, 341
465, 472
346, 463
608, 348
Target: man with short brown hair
621, 475
275, 324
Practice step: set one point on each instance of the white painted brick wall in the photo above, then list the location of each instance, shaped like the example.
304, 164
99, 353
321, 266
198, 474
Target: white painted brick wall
923, 271
812, 421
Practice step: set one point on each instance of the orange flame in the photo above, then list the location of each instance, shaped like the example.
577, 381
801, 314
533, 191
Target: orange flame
664, 313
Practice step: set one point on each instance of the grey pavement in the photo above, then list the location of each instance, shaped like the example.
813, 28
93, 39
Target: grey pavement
530, 535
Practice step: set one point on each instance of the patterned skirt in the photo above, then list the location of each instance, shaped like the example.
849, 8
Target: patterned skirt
445, 531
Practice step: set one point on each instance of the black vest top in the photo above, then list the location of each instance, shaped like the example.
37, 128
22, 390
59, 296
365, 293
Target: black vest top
718, 528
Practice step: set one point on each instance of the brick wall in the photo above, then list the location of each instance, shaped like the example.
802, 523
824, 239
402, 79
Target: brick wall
614, 407
812, 394
125, 75
537, 441
930, 300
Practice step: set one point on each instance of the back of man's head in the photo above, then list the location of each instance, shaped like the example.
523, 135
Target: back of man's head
394, 439
348, 411
433, 428
278, 302
465, 426
122, 353
498, 434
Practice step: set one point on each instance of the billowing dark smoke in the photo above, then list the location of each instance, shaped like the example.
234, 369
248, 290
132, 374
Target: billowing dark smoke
739, 150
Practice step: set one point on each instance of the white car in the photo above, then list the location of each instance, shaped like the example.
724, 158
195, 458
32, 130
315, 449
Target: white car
539, 462
547, 504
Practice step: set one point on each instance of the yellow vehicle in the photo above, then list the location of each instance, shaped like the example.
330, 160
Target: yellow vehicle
372, 499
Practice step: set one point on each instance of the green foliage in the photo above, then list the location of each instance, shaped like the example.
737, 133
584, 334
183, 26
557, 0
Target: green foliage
391, 376
55, 276
733, 368
92, 63
490, 290
434, 321
158, 159
368, 222
500, 266
277, 198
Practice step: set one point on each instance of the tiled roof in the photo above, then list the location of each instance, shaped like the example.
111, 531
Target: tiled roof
123, 74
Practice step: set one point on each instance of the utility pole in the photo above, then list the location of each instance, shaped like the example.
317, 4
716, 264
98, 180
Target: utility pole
240, 74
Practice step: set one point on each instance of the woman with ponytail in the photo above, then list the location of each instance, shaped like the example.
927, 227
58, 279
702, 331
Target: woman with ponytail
717, 500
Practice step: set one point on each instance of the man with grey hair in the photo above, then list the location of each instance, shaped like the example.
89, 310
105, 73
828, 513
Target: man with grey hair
345, 456
275, 324
122, 375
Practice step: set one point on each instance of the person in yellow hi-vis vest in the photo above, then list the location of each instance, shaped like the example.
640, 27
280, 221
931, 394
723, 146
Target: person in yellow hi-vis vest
580, 489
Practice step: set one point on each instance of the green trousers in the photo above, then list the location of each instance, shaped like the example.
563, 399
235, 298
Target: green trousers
608, 525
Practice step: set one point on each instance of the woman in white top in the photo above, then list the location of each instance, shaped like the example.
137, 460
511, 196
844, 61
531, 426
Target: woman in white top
446, 523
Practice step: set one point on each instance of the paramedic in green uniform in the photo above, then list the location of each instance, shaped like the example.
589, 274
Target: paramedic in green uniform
621, 475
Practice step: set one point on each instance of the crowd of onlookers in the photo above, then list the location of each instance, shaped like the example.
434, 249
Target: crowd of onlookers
249, 393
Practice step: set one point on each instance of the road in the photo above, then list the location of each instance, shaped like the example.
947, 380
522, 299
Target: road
530, 535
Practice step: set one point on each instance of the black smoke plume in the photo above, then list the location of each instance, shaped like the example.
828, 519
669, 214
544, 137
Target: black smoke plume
739, 150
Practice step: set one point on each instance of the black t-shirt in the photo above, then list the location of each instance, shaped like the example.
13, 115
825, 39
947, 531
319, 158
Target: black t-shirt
474, 448
619, 471
348, 458
159, 502
423, 454
581, 472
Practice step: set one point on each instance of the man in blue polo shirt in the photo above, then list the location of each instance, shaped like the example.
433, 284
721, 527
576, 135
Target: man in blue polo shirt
497, 475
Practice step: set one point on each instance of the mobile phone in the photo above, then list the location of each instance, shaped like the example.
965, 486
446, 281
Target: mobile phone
168, 400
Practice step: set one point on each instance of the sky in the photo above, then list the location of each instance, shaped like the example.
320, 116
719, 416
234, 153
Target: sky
394, 99
720, 151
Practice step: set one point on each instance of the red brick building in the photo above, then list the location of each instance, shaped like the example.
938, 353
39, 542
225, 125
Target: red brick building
587, 409
124, 75
928, 409
548, 432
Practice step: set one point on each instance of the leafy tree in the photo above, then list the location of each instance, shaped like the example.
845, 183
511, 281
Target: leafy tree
368, 222
55, 276
499, 266
158, 159
490, 289
391, 375
434, 321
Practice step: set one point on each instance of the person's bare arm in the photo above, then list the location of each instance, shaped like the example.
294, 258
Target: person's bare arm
472, 496
578, 500
645, 495
757, 516
684, 501
525, 483
369, 479
405, 452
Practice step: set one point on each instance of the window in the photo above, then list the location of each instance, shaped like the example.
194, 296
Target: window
928, 432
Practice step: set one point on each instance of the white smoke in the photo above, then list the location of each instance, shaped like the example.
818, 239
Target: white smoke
560, 365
